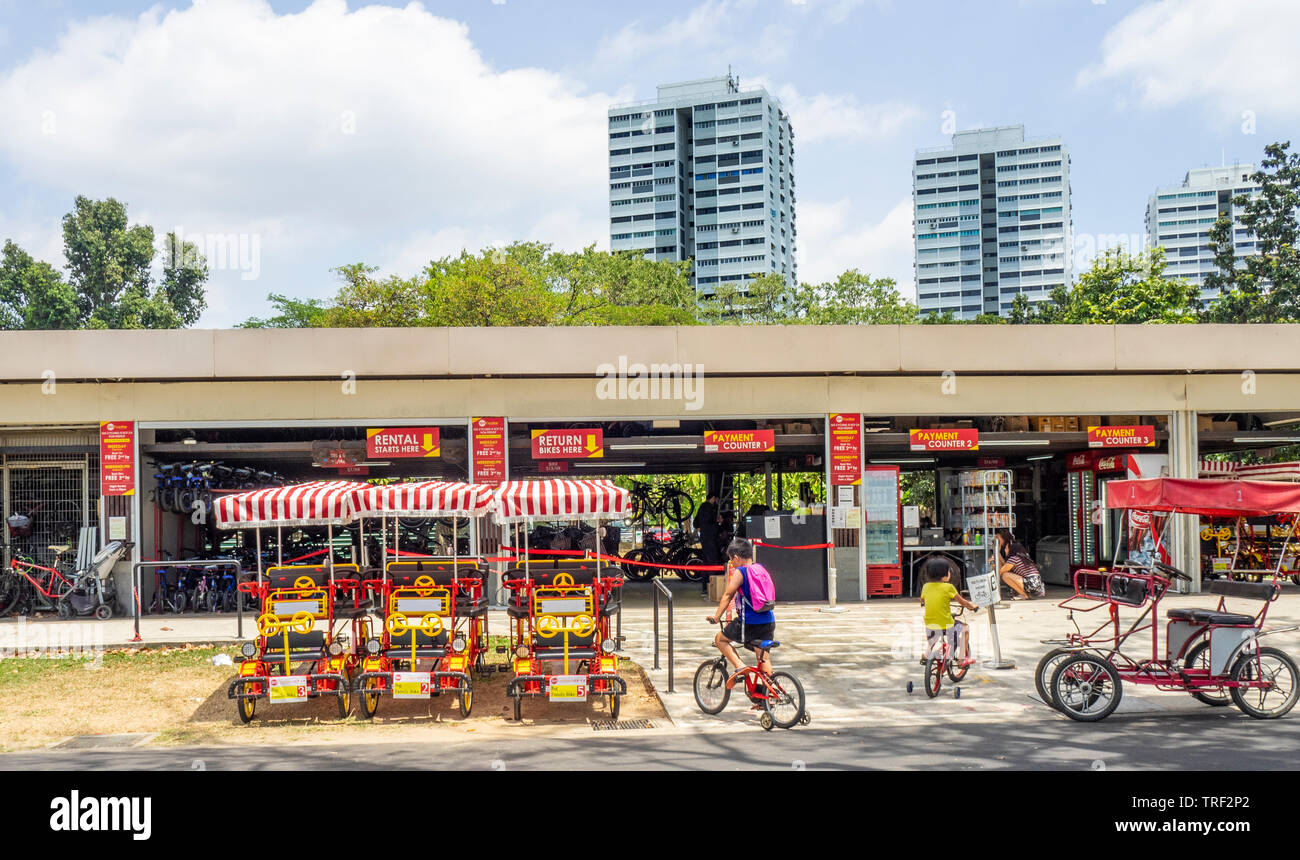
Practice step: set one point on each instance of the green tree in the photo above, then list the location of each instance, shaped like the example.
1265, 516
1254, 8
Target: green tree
33, 295
1120, 289
185, 271
293, 313
853, 298
1268, 290
108, 263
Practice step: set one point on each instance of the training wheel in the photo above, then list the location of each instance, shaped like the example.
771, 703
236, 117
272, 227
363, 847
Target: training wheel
956, 692
805, 719
909, 686
765, 721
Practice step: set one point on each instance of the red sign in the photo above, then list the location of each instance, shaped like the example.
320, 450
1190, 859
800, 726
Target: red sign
552, 467
945, 440
117, 458
845, 431
354, 470
386, 442
991, 462
489, 440
1122, 437
739, 441
582, 443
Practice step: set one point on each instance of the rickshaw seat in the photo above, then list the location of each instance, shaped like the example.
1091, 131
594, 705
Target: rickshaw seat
517, 611
399, 643
312, 640
1211, 616
1244, 590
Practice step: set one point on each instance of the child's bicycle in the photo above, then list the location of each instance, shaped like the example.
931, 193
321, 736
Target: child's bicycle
781, 694
941, 660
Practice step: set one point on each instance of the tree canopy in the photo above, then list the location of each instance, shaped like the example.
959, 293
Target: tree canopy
1120, 289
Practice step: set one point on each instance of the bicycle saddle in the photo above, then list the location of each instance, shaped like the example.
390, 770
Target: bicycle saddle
59, 548
765, 644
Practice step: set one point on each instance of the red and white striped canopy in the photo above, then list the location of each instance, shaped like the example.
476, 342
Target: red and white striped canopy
319, 503
424, 498
560, 499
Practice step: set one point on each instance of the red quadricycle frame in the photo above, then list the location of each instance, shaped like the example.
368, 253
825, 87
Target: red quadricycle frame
433, 633
302, 650
1213, 654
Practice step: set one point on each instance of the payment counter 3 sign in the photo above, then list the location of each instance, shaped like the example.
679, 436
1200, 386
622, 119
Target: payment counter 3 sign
577, 444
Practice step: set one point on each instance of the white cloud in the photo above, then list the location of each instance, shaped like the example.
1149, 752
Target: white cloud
711, 25
323, 129
832, 239
825, 116
1235, 56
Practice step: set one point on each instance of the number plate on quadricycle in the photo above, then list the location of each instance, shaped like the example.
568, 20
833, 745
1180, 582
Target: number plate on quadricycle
566, 688
412, 685
287, 689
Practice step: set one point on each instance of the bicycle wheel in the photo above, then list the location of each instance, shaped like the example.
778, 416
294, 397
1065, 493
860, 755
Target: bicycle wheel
784, 702
1199, 658
677, 506
637, 508
691, 575
956, 671
933, 675
1282, 678
10, 593
637, 572
1043, 673
711, 692
1086, 688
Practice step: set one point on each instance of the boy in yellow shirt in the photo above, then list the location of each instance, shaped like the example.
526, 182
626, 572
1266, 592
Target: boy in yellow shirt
936, 596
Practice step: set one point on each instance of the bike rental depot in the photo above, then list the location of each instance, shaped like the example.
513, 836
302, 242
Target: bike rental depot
867, 494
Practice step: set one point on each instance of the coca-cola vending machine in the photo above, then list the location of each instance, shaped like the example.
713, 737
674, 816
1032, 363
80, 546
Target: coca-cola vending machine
1094, 529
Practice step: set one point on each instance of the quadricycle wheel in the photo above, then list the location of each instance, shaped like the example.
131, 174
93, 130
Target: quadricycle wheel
1086, 688
1281, 685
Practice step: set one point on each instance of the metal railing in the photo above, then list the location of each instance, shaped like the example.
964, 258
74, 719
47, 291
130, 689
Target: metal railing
660, 588
189, 562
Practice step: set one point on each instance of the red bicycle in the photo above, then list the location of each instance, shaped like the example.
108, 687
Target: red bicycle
940, 660
779, 694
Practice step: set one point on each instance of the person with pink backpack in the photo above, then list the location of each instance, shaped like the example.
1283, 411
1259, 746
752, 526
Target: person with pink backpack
753, 596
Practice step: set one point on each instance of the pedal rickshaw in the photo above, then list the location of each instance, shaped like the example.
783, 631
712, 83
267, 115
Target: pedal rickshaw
560, 610
303, 648
433, 633
1213, 654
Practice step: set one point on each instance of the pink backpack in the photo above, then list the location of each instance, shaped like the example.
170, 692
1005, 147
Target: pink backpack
761, 590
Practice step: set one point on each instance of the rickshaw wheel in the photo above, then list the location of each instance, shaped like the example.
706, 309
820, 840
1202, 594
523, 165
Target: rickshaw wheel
466, 702
615, 703
519, 709
1043, 673
1081, 682
369, 702
246, 708
1283, 676
345, 698
1200, 654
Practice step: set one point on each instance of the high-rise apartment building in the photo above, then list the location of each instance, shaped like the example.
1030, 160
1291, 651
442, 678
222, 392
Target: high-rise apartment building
1179, 218
705, 173
991, 220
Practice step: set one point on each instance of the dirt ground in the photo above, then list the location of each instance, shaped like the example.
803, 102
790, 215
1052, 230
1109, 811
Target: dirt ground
178, 694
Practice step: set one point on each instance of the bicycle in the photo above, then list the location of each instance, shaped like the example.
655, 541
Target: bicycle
665, 501
678, 552
781, 696
940, 660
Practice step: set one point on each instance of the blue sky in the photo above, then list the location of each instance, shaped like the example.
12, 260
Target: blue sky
324, 133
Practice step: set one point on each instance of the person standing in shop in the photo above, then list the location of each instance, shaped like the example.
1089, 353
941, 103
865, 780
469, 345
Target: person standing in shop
706, 522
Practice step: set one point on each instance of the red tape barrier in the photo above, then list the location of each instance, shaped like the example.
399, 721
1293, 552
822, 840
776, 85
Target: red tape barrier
802, 546
308, 555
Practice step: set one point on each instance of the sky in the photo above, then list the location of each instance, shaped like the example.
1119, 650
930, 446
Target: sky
290, 137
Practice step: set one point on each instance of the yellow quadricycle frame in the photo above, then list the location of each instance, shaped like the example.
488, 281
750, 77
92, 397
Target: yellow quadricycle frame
563, 609
295, 609
409, 611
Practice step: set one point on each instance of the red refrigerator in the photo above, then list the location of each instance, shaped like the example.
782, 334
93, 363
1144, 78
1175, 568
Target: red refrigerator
882, 545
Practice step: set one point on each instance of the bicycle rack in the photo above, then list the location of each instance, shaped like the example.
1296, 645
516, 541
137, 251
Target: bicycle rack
195, 562
659, 588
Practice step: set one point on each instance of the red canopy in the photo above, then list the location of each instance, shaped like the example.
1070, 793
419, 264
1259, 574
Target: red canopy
560, 499
319, 503
424, 498
1212, 497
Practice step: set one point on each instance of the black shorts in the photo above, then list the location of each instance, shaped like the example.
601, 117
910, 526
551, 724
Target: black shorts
752, 632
